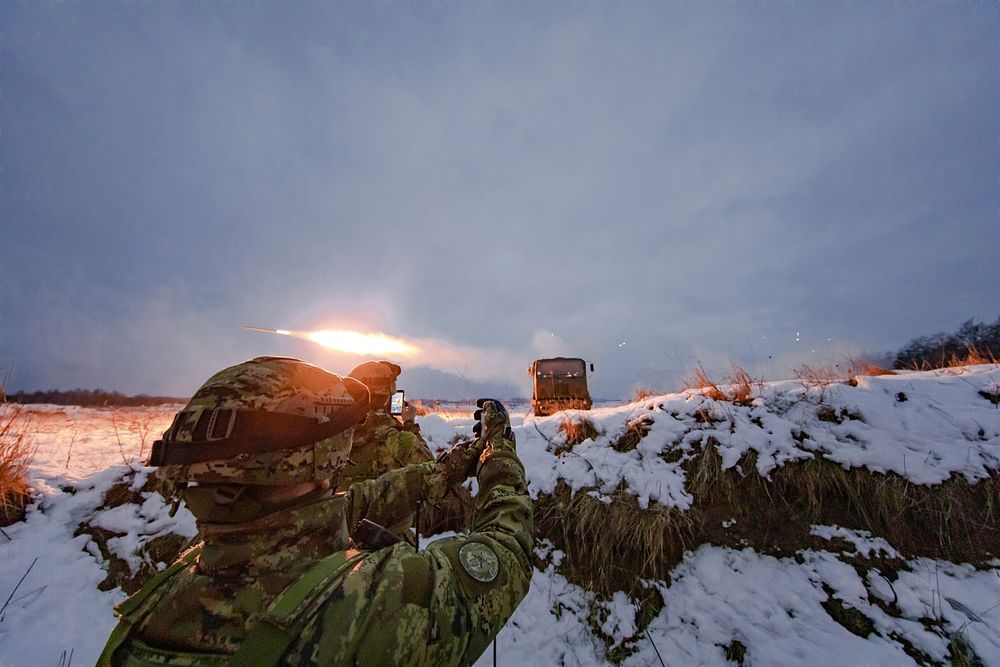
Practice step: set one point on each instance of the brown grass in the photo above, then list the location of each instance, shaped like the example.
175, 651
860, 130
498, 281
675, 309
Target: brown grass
700, 382
16, 454
872, 370
578, 431
614, 546
642, 393
635, 430
740, 385
974, 356
611, 546
971, 357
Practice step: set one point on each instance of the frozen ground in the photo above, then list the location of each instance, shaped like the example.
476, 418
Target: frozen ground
721, 605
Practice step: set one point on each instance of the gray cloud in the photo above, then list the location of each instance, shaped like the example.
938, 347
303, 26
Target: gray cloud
695, 182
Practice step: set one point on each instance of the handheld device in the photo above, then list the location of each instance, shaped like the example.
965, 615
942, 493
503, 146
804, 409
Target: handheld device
397, 403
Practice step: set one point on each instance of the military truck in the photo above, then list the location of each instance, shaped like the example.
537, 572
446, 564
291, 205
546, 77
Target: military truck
559, 383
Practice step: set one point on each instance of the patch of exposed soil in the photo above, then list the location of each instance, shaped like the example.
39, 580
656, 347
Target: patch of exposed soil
161, 549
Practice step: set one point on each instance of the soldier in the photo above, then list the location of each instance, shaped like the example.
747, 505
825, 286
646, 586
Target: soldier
381, 444
290, 573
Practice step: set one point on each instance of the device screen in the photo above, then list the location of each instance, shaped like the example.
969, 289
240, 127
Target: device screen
396, 404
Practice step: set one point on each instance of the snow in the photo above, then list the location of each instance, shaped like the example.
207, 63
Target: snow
862, 540
924, 426
942, 428
773, 606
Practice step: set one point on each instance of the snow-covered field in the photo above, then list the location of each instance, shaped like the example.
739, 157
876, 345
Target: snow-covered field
721, 605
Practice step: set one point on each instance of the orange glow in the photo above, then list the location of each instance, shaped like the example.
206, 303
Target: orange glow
361, 344
352, 342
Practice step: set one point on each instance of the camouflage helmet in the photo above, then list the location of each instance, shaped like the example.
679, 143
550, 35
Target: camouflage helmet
380, 378
270, 420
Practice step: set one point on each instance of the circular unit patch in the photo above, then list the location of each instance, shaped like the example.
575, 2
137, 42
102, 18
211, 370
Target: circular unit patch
479, 561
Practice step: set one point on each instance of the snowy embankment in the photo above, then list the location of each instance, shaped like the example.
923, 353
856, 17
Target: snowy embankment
845, 597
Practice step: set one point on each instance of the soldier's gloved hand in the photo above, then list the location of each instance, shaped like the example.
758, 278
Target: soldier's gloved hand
459, 463
498, 463
492, 420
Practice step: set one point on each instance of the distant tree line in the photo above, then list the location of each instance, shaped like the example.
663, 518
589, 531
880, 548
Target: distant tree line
972, 341
89, 397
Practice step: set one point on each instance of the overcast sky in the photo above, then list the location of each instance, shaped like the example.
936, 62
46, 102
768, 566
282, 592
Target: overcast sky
640, 184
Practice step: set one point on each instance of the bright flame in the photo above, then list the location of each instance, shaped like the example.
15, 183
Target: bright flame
361, 344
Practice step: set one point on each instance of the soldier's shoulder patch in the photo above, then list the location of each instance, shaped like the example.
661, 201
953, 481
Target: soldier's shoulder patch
479, 561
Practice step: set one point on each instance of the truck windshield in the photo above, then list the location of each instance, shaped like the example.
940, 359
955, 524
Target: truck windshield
560, 368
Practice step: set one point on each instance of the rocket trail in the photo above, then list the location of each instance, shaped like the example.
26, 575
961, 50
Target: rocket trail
283, 332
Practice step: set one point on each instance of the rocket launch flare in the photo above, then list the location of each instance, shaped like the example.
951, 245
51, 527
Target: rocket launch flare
352, 342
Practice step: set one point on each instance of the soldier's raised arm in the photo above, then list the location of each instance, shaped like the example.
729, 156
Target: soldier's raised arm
489, 570
445, 604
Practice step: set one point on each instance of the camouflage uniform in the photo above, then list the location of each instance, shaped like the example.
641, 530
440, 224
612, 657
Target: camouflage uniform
382, 444
291, 587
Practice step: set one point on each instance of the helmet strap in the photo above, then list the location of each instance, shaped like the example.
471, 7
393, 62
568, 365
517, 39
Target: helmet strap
222, 503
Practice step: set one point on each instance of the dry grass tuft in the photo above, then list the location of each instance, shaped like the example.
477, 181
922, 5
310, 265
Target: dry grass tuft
974, 356
642, 393
700, 381
635, 431
740, 385
578, 431
872, 370
971, 357
16, 454
610, 546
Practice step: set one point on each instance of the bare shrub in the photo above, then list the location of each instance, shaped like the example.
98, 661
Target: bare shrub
819, 377
138, 426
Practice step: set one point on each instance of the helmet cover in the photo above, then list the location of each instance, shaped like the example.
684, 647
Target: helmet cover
271, 401
380, 378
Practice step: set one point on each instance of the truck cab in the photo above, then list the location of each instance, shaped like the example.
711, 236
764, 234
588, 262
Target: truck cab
558, 384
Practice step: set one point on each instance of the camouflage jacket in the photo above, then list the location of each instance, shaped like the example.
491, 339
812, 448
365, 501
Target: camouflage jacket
379, 445
382, 444
439, 606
